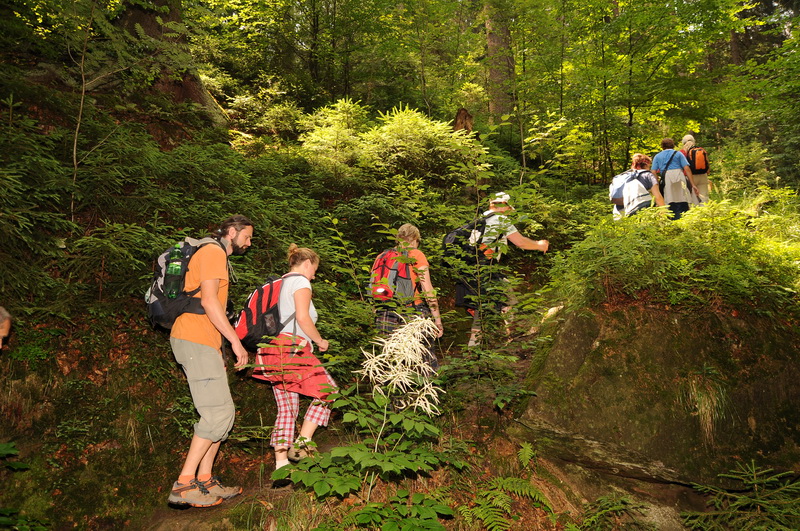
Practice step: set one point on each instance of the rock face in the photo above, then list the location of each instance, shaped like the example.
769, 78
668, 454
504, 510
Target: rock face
663, 396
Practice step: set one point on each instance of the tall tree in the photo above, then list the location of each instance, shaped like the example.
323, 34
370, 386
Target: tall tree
158, 25
499, 58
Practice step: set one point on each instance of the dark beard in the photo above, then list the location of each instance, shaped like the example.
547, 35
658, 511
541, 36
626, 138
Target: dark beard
237, 250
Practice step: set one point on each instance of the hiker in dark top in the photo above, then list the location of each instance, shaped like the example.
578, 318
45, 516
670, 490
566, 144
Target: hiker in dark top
499, 231
674, 170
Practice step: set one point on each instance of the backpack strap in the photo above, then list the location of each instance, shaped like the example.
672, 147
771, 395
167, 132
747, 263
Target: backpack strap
666, 168
201, 243
637, 176
484, 219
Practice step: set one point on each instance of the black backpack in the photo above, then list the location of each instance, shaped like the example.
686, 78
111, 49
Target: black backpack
456, 244
166, 298
261, 317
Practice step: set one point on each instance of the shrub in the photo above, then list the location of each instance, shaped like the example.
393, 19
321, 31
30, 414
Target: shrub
408, 143
712, 256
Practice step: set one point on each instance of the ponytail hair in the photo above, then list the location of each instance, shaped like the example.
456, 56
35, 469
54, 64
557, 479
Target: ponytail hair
237, 221
297, 255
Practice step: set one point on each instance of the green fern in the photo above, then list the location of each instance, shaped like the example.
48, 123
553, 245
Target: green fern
521, 488
526, 454
493, 502
606, 512
492, 518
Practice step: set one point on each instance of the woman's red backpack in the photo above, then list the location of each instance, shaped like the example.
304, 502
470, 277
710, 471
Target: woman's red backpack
390, 278
260, 320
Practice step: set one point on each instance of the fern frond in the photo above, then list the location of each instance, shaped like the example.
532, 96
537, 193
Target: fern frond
497, 498
526, 454
467, 513
493, 518
522, 488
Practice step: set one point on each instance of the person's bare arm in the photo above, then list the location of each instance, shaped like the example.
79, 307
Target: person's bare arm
528, 244
302, 307
657, 195
209, 299
430, 296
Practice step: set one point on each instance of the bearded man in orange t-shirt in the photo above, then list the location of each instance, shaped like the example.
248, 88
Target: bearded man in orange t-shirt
196, 341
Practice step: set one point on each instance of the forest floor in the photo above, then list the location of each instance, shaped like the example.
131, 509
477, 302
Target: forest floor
569, 488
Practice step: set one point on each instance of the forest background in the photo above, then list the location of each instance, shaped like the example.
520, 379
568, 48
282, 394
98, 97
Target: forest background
128, 124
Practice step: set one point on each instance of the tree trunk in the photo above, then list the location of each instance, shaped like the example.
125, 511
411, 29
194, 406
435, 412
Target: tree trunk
500, 59
184, 88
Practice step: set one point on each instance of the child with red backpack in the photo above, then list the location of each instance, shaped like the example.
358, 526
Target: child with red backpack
401, 285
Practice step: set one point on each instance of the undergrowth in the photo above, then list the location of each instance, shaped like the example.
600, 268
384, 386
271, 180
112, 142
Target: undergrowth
721, 254
758, 499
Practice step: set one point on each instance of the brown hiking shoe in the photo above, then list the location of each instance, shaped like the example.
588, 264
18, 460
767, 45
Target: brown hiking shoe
217, 489
193, 494
301, 449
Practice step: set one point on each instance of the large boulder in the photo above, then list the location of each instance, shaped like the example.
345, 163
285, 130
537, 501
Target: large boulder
664, 395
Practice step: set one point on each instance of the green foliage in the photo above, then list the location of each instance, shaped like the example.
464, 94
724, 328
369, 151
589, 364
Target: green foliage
396, 444
10, 450
410, 144
184, 415
609, 513
742, 166
492, 503
711, 256
36, 345
526, 454
761, 499
403, 511
35, 186
107, 256
11, 518
479, 371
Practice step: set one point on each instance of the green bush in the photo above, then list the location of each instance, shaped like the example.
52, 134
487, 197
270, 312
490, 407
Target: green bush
410, 144
717, 254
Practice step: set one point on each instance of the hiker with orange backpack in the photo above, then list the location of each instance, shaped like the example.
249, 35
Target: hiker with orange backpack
401, 285
698, 165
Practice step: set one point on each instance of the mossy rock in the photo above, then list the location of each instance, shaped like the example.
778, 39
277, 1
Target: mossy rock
627, 390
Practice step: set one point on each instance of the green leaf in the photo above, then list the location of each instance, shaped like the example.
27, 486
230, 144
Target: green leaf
321, 488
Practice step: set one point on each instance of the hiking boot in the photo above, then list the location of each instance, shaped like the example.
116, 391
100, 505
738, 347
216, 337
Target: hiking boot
281, 483
301, 449
216, 488
193, 494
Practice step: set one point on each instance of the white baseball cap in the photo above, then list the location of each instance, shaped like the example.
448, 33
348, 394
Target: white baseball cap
500, 197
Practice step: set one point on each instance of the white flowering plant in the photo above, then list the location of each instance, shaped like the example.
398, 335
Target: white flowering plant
394, 426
